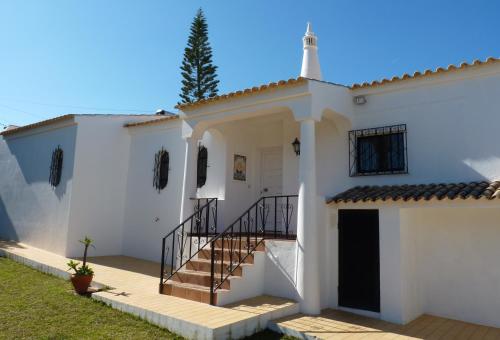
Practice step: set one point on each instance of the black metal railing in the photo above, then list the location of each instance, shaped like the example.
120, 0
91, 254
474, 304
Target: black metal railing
269, 217
188, 238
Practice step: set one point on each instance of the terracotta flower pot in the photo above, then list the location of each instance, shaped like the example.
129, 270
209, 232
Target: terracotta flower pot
81, 283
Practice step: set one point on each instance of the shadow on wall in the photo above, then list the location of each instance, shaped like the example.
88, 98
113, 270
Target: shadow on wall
7, 230
286, 280
33, 156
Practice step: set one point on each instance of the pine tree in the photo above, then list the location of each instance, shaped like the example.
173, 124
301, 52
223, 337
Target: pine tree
198, 72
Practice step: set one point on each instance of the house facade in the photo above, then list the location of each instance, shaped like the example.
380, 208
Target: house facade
378, 198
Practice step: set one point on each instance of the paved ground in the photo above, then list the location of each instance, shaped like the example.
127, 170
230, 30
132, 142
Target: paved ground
134, 284
334, 324
135, 290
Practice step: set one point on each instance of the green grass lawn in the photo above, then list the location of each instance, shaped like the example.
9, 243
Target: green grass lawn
39, 306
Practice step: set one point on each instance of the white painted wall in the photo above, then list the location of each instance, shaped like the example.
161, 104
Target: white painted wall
280, 275
451, 121
31, 210
457, 267
99, 186
150, 215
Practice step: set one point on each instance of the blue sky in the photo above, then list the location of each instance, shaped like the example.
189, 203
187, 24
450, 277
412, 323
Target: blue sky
120, 56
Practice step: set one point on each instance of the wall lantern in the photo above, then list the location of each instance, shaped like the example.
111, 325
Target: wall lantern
296, 146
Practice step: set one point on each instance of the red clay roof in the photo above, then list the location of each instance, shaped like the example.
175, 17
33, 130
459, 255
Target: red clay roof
37, 124
245, 92
152, 121
420, 192
425, 73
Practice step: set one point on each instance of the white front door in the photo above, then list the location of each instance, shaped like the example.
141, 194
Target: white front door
271, 179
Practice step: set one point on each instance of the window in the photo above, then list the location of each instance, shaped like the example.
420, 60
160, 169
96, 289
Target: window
378, 151
161, 168
202, 165
56, 167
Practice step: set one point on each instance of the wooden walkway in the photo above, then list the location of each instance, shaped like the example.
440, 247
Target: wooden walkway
334, 324
133, 287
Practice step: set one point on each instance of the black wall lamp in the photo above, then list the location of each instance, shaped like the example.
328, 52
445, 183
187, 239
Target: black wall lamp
296, 146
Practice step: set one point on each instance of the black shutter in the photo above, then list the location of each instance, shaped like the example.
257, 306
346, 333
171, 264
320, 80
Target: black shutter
56, 167
201, 177
161, 168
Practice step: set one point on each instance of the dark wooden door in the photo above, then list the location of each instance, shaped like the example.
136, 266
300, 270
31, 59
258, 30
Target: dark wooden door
359, 260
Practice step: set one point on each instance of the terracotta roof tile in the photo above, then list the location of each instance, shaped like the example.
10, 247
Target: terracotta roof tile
244, 92
152, 121
425, 73
452, 191
37, 124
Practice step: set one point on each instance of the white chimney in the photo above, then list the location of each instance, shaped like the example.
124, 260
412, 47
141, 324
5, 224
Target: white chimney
310, 60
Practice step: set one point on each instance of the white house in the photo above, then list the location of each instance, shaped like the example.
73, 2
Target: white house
390, 208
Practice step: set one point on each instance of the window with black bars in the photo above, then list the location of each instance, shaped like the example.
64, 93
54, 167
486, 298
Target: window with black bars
160, 170
56, 164
202, 165
378, 151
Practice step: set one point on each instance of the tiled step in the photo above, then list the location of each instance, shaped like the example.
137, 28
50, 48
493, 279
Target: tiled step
189, 291
192, 282
197, 278
205, 254
204, 265
236, 244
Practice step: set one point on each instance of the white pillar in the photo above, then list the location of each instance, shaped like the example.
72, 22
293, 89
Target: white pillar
308, 275
189, 181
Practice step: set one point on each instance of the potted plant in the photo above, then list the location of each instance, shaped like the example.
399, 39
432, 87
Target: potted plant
83, 275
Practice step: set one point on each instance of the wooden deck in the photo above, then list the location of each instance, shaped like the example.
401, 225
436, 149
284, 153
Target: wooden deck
334, 324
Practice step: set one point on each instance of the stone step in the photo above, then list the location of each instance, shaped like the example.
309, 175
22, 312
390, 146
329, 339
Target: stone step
206, 253
198, 278
205, 266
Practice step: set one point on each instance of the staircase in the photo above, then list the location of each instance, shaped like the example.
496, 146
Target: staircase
218, 269
193, 281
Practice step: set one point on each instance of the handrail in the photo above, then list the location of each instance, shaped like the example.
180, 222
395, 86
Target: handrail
200, 218
257, 213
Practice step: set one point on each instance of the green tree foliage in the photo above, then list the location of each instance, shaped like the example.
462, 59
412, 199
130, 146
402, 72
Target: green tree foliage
198, 73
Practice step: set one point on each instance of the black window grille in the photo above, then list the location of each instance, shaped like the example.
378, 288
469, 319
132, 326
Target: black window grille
161, 168
202, 165
378, 151
56, 167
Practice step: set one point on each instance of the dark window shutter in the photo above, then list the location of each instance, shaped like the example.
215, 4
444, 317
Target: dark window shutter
201, 177
161, 168
56, 167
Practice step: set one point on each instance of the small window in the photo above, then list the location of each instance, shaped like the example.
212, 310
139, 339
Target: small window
161, 168
201, 177
378, 151
56, 167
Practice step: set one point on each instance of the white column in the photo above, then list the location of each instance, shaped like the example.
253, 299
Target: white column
189, 181
308, 276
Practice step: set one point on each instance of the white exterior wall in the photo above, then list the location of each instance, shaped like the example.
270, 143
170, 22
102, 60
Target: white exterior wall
149, 214
451, 120
31, 210
456, 262
99, 186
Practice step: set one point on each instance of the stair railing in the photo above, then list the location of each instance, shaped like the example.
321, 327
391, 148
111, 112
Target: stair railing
188, 238
270, 217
